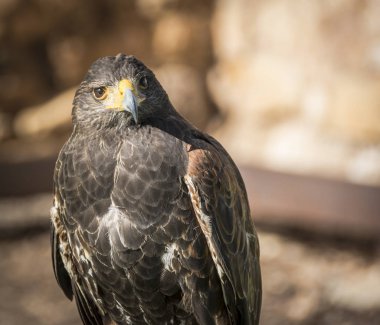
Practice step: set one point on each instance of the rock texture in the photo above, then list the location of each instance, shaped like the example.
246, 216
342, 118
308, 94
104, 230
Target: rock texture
301, 79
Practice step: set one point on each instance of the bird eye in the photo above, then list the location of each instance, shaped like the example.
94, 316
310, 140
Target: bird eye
143, 83
100, 92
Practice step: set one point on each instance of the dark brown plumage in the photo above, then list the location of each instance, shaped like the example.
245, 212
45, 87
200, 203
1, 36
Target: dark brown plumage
151, 223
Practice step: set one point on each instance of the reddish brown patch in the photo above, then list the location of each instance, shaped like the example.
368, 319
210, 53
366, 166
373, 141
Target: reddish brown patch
196, 159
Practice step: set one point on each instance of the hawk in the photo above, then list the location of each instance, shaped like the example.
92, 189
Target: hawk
150, 222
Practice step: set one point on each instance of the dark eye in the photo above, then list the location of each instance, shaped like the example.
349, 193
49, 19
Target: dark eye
143, 83
100, 92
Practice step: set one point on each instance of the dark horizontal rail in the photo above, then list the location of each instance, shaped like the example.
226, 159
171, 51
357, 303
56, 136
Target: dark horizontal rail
313, 203
277, 199
27, 177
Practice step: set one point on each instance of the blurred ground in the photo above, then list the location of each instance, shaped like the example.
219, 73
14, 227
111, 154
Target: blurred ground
307, 278
305, 282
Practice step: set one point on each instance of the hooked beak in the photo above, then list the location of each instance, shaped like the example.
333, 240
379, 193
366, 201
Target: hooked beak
125, 99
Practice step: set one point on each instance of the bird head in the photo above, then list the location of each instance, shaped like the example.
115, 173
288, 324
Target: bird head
118, 89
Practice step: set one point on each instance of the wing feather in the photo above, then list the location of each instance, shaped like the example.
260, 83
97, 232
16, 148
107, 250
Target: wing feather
61, 275
87, 309
221, 207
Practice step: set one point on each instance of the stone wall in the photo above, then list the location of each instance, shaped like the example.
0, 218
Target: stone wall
288, 85
299, 85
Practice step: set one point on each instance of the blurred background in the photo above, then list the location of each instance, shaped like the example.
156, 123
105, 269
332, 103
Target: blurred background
290, 88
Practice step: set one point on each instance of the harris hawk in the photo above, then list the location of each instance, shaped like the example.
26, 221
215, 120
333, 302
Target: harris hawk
150, 222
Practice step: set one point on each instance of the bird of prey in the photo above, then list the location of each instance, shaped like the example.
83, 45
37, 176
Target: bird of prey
150, 222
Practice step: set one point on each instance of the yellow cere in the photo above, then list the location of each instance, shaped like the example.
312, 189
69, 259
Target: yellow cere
123, 84
116, 95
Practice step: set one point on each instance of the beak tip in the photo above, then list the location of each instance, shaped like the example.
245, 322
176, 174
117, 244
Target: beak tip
134, 116
130, 105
